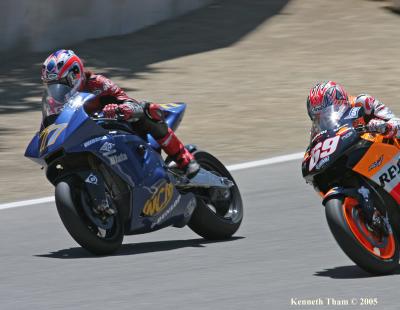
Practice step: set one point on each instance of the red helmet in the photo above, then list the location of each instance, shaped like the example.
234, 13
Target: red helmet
323, 95
65, 69
63, 66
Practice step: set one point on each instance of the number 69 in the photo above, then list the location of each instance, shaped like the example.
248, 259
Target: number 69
322, 150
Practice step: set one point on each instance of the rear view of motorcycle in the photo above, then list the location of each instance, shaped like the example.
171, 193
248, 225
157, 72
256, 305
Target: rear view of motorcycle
110, 182
356, 172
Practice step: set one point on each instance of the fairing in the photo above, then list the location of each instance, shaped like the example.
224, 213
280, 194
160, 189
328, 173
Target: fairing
333, 136
155, 202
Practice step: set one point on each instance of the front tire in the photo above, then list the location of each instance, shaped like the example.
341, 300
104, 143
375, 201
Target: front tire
216, 221
70, 199
375, 254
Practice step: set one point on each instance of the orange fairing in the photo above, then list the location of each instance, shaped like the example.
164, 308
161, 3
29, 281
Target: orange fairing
377, 156
382, 247
342, 130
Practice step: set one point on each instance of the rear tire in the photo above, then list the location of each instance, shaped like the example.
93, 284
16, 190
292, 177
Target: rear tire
69, 202
383, 261
216, 222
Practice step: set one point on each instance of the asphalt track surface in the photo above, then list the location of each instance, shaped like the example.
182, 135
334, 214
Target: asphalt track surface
283, 250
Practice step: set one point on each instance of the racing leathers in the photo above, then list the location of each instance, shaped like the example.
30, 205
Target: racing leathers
145, 117
378, 117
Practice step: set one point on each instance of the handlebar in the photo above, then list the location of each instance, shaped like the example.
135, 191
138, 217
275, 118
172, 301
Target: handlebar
100, 117
361, 129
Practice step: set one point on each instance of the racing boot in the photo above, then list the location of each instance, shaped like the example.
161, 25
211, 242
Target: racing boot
177, 151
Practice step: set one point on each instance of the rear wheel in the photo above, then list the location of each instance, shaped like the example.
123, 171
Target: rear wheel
373, 251
216, 219
97, 233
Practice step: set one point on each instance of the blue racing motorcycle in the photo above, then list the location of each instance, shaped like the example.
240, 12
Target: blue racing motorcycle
110, 181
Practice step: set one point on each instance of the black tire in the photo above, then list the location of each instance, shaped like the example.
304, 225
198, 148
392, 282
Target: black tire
223, 221
353, 248
69, 202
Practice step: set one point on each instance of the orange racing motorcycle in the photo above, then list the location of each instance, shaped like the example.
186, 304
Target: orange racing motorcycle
357, 173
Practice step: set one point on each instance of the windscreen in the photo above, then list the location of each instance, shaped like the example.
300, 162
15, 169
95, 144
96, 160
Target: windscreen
54, 98
330, 118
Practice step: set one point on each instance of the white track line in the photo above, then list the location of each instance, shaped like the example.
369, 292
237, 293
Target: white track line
24, 203
247, 165
266, 162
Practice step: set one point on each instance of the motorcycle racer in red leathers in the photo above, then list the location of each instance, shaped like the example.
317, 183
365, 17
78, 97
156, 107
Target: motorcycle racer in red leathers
65, 67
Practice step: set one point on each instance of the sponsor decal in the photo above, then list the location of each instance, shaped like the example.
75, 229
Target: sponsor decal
49, 135
167, 213
376, 164
107, 147
91, 179
322, 162
159, 200
347, 135
116, 159
353, 113
364, 193
93, 141
320, 107
391, 173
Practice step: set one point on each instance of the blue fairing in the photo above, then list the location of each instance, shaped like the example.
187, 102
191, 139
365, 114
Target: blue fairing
74, 132
71, 118
32, 151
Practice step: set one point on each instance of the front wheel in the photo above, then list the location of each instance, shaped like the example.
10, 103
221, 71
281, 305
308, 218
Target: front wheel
99, 235
375, 253
216, 220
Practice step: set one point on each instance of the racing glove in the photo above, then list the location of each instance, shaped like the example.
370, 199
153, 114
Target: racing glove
392, 127
129, 110
389, 128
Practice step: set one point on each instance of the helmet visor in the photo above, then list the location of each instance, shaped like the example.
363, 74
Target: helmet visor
54, 98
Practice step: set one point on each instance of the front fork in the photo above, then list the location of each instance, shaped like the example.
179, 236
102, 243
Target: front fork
96, 189
363, 195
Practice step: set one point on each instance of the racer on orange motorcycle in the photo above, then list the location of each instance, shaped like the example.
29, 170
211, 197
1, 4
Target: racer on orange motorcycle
65, 67
377, 118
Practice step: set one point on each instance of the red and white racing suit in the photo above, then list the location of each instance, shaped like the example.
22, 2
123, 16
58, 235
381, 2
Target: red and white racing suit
145, 117
378, 117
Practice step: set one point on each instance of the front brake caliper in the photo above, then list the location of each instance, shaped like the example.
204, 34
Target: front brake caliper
97, 193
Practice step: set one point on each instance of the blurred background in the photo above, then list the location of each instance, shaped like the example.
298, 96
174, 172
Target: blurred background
243, 66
